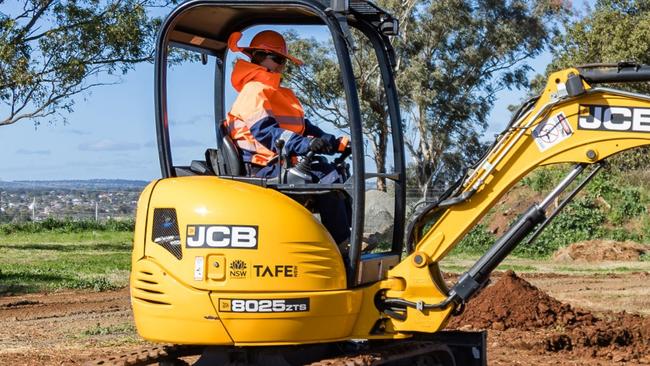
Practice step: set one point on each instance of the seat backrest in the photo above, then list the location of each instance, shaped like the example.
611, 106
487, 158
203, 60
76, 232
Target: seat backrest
226, 159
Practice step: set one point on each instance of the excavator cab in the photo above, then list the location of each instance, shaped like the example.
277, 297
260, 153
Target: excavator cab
203, 28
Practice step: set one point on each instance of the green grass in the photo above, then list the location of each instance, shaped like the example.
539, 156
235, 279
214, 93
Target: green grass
597, 270
457, 268
108, 335
48, 261
115, 329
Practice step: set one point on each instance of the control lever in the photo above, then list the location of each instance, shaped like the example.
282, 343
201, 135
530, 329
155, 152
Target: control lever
304, 166
341, 158
279, 144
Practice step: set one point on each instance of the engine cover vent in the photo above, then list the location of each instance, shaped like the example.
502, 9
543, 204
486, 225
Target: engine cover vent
165, 231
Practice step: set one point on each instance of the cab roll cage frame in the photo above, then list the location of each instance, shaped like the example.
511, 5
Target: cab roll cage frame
336, 19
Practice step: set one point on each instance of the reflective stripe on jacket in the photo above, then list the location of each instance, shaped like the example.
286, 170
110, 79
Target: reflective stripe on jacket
265, 112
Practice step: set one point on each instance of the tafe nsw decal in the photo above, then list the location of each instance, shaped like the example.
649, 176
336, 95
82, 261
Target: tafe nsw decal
552, 131
238, 269
609, 118
221, 236
264, 305
282, 270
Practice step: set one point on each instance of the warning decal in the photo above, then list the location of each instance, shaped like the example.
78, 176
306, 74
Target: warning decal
552, 131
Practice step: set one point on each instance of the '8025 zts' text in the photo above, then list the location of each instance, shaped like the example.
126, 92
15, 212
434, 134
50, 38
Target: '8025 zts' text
264, 305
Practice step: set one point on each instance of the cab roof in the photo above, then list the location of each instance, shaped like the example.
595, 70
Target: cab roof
207, 24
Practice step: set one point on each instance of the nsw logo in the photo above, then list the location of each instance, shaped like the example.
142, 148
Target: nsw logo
238, 269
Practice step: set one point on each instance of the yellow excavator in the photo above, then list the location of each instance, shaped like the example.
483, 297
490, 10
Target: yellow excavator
235, 269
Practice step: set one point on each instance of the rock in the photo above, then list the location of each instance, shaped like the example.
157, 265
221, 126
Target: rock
378, 227
498, 326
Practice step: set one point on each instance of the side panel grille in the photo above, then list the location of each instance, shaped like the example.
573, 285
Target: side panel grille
165, 231
147, 289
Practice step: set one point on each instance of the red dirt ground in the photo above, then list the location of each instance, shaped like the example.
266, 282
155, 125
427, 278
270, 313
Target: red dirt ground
513, 304
525, 325
601, 250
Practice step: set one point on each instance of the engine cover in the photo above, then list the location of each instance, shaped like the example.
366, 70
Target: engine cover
217, 261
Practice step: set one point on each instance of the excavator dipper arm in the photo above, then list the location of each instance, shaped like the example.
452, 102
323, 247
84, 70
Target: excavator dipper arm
571, 122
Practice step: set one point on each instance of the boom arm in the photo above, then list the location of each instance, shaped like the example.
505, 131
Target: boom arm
571, 122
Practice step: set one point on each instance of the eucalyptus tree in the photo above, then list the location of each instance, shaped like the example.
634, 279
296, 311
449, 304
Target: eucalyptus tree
612, 31
53, 50
453, 56
318, 84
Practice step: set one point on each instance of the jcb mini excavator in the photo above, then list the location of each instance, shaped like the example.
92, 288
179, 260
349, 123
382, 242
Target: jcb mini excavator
240, 286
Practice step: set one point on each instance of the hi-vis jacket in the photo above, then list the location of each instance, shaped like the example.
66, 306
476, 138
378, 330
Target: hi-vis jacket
265, 112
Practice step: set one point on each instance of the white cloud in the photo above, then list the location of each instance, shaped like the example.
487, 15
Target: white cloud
33, 152
190, 120
73, 131
108, 145
179, 142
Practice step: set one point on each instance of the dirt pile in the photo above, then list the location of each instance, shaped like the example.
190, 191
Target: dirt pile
513, 303
617, 336
601, 250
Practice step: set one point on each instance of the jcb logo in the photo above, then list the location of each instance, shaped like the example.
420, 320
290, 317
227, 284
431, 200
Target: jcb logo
221, 236
609, 118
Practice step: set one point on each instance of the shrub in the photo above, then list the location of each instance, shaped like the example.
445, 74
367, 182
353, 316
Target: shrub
580, 220
66, 226
542, 179
627, 205
477, 241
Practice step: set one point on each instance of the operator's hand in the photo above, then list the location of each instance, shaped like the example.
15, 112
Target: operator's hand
343, 144
319, 146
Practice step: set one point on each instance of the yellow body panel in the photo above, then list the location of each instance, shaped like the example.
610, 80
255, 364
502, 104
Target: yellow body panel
295, 258
330, 317
168, 311
288, 235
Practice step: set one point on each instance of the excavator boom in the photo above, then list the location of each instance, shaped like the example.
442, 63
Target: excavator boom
570, 122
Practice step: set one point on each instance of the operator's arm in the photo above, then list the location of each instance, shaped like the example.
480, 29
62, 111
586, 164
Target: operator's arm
267, 131
313, 130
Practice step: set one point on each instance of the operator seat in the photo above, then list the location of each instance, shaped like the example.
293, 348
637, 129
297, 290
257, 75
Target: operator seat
225, 159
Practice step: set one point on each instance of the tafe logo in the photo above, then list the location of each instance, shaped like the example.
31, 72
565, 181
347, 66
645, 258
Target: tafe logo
221, 236
610, 118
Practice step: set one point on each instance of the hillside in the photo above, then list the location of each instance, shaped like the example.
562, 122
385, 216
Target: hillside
94, 184
614, 206
77, 199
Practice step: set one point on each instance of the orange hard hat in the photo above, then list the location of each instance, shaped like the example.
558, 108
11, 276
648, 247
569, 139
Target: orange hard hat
267, 40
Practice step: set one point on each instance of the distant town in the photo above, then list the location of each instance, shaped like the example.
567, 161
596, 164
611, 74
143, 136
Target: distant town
100, 199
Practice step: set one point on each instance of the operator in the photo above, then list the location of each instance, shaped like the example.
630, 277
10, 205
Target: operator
265, 112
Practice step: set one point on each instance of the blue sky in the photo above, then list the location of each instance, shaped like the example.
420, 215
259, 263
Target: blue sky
111, 133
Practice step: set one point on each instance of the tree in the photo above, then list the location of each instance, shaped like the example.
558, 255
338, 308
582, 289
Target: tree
449, 69
318, 85
613, 31
454, 67
52, 50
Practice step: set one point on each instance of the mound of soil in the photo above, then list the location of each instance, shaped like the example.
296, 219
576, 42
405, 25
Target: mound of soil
601, 250
513, 303
619, 337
